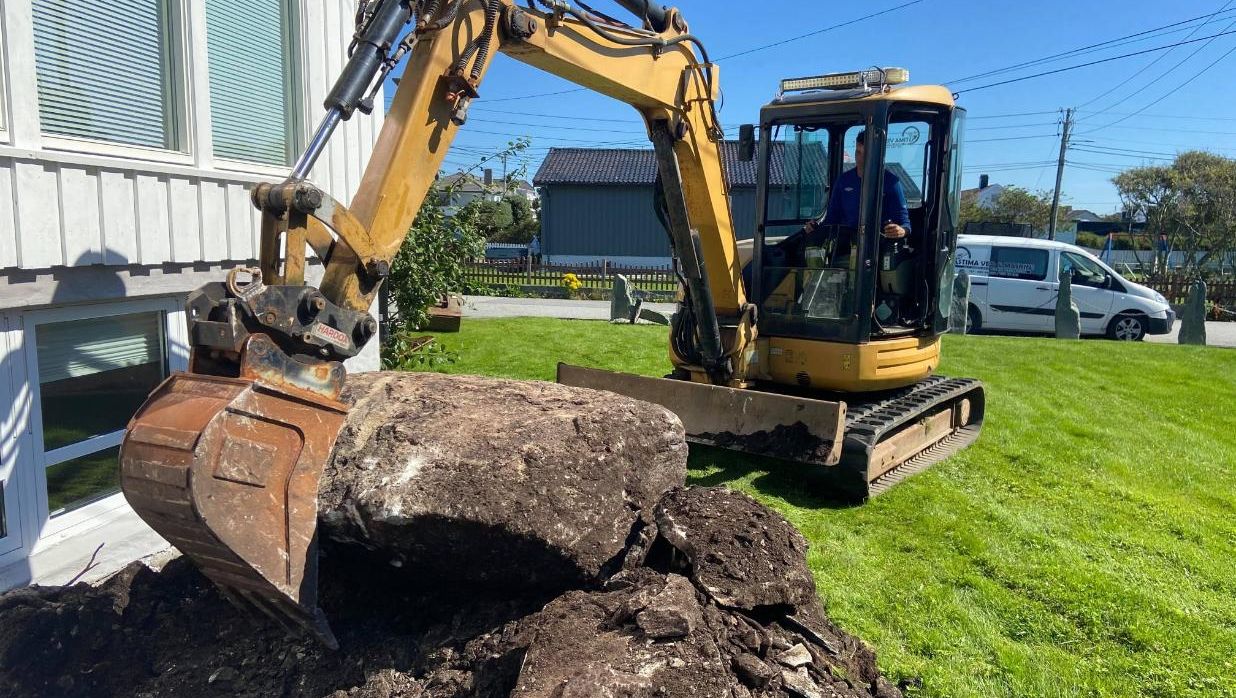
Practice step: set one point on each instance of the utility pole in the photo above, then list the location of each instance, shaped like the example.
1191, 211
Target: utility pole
1064, 149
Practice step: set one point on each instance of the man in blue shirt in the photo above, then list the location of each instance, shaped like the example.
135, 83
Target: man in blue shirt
846, 199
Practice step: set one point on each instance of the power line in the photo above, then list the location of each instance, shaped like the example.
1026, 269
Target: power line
1169, 93
1121, 155
1007, 116
1091, 63
745, 52
1084, 49
554, 116
1012, 138
1149, 65
808, 35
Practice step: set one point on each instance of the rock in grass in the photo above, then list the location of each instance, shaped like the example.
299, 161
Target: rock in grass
1193, 319
479, 480
959, 313
1068, 316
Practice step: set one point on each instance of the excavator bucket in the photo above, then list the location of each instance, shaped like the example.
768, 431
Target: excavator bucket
872, 441
767, 424
227, 470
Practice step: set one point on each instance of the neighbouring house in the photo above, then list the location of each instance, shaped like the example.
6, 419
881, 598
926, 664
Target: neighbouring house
460, 189
597, 204
985, 194
465, 188
130, 135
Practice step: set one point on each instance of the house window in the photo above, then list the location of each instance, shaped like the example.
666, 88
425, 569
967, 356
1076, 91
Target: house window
93, 375
253, 62
106, 71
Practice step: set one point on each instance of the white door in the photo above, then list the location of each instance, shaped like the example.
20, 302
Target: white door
1019, 295
1090, 291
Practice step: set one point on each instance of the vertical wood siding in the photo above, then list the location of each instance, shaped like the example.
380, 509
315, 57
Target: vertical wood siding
61, 210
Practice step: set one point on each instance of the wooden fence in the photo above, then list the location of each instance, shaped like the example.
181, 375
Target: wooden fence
497, 273
1220, 291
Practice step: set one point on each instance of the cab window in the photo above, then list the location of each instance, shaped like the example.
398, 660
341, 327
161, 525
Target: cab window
1085, 272
1018, 263
906, 157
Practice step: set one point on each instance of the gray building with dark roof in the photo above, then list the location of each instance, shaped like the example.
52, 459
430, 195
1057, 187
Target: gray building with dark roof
598, 203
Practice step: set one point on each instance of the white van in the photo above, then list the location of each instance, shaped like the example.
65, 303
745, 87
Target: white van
1014, 285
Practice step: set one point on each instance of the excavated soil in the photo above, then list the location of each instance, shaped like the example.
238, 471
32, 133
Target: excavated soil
667, 591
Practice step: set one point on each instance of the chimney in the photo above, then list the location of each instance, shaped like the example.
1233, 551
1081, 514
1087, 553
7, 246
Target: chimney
984, 182
489, 177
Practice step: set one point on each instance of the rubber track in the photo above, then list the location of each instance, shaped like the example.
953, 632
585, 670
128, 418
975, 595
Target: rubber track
867, 423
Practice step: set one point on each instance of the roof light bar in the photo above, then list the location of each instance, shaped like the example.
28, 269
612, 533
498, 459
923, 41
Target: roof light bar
863, 79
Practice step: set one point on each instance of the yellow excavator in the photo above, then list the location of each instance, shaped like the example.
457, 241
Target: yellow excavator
816, 342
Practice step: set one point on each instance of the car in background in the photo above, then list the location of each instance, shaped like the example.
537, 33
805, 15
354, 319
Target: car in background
1014, 285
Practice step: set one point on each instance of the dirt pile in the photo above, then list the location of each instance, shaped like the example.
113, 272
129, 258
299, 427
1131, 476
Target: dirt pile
521, 540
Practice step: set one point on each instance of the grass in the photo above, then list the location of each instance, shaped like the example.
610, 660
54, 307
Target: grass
1085, 546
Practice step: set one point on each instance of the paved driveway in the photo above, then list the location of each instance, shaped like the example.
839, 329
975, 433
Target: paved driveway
1218, 334
488, 306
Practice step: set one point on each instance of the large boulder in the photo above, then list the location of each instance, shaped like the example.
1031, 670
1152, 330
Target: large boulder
480, 480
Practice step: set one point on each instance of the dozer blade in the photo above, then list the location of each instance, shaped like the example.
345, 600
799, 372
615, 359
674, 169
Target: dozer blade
767, 424
227, 470
874, 441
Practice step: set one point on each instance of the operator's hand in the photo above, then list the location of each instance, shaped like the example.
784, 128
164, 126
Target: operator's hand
810, 226
892, 231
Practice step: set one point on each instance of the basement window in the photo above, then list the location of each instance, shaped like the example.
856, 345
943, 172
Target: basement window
93, 376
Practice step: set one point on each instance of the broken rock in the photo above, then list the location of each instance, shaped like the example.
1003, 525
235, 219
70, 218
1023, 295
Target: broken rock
741, 553
480, 480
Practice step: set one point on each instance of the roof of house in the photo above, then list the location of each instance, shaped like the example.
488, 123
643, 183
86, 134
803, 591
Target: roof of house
967, 193
616, 166
463, 181
1081, 214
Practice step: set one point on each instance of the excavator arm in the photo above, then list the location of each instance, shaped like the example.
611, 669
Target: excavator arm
224, 460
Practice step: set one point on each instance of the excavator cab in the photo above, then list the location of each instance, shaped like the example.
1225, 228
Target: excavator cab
822, 269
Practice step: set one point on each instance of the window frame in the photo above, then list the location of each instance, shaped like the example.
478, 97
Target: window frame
177, 91
294, 81
176, 349
4, 92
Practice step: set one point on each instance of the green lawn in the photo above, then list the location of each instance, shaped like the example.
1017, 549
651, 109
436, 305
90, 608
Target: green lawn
1086, 546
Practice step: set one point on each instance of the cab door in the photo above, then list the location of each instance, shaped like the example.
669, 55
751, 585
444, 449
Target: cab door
1019, 295
1091, 291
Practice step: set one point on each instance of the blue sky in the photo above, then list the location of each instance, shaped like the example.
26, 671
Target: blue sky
1013, 130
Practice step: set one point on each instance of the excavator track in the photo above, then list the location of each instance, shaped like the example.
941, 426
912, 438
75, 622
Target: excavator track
904, 432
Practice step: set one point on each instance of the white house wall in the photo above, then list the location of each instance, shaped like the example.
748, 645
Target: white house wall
72, 209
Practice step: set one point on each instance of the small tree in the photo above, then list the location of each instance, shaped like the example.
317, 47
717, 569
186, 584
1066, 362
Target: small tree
524, 222
1012, 205
1192, 202
492, 218
432, 262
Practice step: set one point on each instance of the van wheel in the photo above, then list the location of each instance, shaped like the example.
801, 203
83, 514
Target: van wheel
974, 322
1127, 328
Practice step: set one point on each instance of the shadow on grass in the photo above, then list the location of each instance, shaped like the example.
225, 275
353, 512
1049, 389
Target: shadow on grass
800, 484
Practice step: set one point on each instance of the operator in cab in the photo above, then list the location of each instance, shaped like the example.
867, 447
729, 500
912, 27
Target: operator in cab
846, 200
